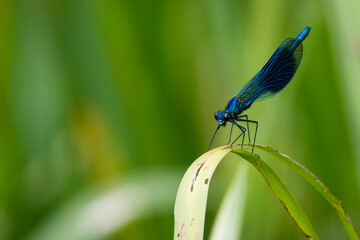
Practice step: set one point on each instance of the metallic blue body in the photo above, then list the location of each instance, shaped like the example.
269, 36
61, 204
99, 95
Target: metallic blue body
235, 106
271, 79
304, 33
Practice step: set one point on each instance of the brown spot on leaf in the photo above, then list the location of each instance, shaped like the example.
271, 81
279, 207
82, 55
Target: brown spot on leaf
181, 233
196, 174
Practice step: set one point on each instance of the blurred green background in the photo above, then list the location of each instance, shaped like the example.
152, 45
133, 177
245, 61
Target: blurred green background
104, 105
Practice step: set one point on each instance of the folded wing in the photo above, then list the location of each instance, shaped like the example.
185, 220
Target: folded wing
276, 74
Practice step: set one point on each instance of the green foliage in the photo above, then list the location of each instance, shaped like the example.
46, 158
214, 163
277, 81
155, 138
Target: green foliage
316, 183
94, 92
230, 216
190, 206
99, 212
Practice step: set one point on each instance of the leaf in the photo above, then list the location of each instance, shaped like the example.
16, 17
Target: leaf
318, 185
281, 192
191, 199
192, 194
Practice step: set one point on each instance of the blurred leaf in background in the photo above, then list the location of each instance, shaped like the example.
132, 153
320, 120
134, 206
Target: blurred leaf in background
96, 91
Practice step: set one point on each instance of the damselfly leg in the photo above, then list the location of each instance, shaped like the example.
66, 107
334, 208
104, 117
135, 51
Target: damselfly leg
250, 121
243, 130
248, 129
232, 125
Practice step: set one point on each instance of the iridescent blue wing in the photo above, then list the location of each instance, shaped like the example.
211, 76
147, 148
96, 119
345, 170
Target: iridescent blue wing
277, 72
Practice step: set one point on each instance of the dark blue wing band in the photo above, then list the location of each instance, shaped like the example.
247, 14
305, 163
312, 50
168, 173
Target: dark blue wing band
277, 72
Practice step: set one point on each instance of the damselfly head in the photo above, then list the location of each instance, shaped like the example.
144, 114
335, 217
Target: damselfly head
222, 117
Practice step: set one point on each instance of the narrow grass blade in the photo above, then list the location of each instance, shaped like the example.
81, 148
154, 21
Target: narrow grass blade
318, 185
281, 192
228, 222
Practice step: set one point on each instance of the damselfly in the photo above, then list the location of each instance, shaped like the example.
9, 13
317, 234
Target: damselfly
273, 77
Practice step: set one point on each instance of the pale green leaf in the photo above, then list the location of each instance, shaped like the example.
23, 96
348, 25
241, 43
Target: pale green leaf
192, 194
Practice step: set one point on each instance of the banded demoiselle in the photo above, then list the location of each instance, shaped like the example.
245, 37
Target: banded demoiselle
271, 79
